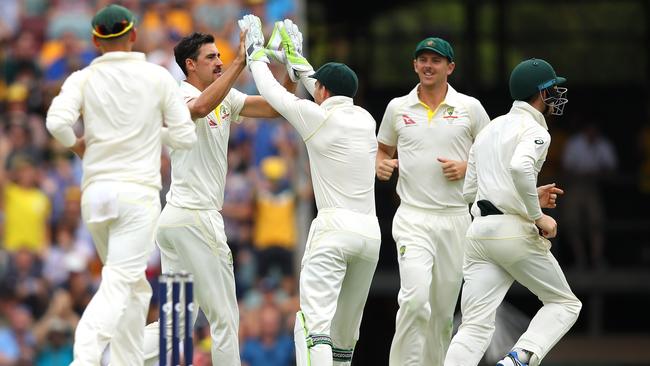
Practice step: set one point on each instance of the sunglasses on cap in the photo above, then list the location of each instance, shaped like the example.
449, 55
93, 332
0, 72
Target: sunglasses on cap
118, 29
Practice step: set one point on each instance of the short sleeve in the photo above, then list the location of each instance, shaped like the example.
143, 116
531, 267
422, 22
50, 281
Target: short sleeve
387, 134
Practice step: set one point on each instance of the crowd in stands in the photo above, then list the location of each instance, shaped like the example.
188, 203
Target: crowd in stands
48, 265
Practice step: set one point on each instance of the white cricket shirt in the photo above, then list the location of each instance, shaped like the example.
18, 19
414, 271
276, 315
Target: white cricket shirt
199, 174
124, 101
340, 140
422, 135
505, 160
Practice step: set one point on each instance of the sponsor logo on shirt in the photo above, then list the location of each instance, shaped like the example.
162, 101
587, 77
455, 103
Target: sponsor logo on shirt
407, 120
539, 142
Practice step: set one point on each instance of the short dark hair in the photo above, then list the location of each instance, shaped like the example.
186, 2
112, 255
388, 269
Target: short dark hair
189, 47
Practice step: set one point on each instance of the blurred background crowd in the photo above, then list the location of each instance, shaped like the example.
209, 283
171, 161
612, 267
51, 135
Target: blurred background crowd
600, 155
48, 266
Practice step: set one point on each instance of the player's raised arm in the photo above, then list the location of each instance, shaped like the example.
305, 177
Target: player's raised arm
215, 93
303, 114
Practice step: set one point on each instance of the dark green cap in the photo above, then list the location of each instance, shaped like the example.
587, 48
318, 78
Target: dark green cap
338, 78
112, 21
437, 45
531, 77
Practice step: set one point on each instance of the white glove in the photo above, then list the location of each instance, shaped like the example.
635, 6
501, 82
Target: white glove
287, 36
254, 43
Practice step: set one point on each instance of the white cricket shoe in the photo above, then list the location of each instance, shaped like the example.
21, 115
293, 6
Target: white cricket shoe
511, 359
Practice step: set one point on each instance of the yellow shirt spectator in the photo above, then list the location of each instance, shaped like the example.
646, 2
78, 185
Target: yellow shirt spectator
275, 223
26, 214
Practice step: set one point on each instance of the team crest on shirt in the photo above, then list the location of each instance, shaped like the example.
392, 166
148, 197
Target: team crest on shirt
408, 121
219, 116
402, 251
449, 113
224, 113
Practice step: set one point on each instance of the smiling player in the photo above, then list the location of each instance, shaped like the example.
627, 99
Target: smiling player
433, 128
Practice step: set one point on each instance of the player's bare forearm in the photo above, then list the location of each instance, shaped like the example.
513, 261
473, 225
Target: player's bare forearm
215, 93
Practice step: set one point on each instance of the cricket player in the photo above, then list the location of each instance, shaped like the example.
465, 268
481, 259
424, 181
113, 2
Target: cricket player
123, 100
433, 128
343, 244
508, 237
191, 232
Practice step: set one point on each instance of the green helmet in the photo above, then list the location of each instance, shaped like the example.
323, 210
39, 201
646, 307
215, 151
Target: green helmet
531, 77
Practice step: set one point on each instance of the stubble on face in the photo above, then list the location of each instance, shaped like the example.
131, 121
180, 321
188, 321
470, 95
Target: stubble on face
209, 65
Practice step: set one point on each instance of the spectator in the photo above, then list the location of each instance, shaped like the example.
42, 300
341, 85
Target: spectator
21, 321
272, 347
588, 157
63, 255
22, 58
53, 331
26, 209
74, 54
274, 232
26, 275
56, 349
237, 211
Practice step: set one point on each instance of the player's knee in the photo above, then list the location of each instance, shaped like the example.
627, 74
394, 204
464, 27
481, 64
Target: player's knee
418, 307
478, 328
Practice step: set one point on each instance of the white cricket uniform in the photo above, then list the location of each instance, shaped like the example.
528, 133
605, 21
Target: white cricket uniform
503, 167
191, 233
124, 101
430, 224
343, 244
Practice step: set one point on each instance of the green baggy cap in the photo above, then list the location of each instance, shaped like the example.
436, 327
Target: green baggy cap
112, 21
338, 78
437, 45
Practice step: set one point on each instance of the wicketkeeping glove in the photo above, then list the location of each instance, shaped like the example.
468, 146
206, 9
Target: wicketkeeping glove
274, 44
297, 65
287, 36
254, 42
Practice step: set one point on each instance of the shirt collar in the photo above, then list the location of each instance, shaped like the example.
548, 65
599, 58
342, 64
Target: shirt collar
523, 107
188, 85
336, 101
451, 99
119, 55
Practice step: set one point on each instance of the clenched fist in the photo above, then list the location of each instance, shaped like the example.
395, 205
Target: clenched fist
385, 168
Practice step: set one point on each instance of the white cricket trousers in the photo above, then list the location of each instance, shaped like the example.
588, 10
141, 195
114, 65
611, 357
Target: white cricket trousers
430, 247
491, 265
337, 268
121, 218
195, 241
